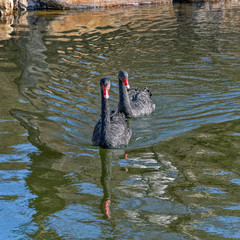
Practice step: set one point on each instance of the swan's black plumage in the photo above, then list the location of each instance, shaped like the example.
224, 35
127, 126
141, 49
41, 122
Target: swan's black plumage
133, 103
112, 130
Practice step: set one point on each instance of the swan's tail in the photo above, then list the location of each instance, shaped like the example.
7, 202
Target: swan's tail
148, 91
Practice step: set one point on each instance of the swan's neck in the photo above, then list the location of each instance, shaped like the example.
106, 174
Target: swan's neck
105, 117
124, 105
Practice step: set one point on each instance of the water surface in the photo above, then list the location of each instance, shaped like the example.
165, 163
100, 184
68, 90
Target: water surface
179, 176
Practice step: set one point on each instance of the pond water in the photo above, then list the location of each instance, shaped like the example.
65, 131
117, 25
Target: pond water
179, 177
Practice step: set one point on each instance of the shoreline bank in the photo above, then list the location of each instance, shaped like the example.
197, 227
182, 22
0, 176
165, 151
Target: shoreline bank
8, 7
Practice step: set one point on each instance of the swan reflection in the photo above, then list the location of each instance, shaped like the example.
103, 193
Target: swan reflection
107, 156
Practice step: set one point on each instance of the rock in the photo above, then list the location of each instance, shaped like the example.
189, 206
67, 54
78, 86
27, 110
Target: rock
6, 7
77, 4
30, 4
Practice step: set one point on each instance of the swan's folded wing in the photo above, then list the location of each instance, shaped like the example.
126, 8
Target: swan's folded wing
120, 131
133, 94
96, 133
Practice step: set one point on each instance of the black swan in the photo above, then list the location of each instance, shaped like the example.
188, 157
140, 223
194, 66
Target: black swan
112, 130
133, 103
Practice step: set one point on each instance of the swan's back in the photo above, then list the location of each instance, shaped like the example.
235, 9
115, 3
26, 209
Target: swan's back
118, 133
141, 101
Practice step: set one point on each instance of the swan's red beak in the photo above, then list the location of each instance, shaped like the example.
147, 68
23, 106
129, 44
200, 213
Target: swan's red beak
125, 80
106, 92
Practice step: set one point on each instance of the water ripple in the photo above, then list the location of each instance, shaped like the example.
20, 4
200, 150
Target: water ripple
177, 179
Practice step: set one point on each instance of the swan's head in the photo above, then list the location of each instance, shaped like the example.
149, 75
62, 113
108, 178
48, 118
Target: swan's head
105, 86
123, 76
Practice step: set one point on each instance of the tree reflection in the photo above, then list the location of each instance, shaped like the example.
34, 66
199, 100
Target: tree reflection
44, 181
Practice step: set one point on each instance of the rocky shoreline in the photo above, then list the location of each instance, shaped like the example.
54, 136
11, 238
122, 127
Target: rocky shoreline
7, 7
